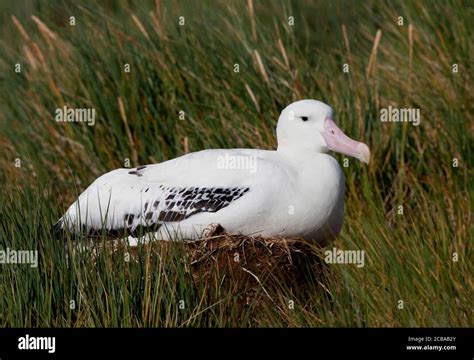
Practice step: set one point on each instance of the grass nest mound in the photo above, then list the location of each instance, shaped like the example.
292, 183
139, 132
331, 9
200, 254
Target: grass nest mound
245, 264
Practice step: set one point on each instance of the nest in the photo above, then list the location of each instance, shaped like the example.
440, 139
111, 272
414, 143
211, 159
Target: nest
253, 263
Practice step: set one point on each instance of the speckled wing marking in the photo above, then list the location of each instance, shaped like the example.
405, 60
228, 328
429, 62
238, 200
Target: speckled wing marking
170, 204
189, 201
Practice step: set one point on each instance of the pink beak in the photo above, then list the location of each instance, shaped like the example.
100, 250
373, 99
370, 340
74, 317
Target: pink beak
337, 141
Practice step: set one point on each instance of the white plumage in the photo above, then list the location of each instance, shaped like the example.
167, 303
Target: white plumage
294, 191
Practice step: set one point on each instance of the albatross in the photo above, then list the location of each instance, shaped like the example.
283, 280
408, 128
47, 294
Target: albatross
295, 191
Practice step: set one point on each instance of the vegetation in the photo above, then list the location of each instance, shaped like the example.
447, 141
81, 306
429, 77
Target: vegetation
420, 253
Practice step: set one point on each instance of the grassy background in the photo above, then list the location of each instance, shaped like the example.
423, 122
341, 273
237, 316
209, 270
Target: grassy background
190, 68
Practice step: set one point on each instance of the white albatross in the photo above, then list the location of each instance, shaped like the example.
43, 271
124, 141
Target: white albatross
294, 191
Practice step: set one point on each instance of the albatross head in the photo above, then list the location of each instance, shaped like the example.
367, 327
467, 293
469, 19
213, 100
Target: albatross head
308, 125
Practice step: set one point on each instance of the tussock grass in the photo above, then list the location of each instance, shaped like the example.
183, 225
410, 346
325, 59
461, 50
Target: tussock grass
191, 68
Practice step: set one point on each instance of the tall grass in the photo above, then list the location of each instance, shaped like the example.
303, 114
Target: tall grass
190, 68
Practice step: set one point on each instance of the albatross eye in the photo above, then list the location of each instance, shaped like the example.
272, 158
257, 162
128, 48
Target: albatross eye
304, 118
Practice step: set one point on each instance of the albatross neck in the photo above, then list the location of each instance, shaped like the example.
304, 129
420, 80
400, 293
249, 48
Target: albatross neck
300, 153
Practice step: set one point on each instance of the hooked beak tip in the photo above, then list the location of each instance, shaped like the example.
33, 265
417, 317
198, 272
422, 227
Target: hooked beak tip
364, 153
